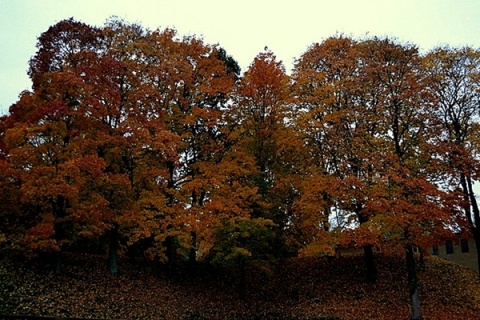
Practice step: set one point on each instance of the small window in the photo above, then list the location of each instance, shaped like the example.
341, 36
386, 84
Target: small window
435, 251
449, 246
464, 245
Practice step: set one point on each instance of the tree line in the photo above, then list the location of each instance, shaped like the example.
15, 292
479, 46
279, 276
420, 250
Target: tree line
155, 146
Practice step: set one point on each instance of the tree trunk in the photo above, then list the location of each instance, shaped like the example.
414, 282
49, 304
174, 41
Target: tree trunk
371, 268
112, 251
192, 257
473, 216
171, 252
413, 285
57, 256
58, 262
476, 238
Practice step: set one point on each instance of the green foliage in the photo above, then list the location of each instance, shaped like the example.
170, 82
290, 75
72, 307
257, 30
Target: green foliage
240, 241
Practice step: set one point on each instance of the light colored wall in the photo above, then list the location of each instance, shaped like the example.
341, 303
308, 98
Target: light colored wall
467, 259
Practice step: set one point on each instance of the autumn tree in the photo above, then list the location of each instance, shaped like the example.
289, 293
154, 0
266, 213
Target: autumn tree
340, 135
455, 82
369, 120
180, 143
56, 176
199, 121
409, 208
57, 47
266, 133
138, 143
10, 210
67, 182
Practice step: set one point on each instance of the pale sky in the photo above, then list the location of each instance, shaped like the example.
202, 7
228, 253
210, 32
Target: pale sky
243, 28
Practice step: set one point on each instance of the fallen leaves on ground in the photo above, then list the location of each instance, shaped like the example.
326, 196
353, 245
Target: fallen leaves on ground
306, 288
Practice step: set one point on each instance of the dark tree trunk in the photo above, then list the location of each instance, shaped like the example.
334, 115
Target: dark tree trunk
473, 215
58, 262
57, 256
476, 238
413, 285
371, 268
60, 207
192, 257
113, 251
171, 252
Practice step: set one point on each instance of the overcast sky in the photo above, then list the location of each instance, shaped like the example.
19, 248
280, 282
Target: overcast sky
243, 28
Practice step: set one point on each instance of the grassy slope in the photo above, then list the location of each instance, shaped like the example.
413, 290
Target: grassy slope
297, 289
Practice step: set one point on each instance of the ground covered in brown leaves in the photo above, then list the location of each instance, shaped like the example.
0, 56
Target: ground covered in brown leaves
296, 289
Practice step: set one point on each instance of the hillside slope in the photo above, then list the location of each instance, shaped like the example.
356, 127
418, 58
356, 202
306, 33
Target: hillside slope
297, 289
